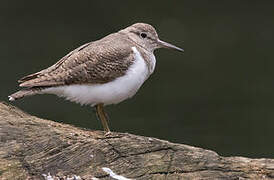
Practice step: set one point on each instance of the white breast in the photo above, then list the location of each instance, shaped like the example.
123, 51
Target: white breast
109, 93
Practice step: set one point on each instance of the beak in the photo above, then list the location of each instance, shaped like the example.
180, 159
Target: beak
164, 44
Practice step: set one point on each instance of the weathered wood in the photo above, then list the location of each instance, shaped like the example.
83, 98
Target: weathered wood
31, 148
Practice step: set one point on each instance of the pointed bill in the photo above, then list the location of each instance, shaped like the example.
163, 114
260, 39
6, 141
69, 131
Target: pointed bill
169, 46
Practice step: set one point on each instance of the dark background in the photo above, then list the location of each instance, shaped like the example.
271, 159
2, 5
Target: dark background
218, 95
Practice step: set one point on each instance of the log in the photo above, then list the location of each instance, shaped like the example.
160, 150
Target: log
34, 148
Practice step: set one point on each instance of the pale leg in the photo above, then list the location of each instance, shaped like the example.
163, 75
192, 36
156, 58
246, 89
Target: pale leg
102, 116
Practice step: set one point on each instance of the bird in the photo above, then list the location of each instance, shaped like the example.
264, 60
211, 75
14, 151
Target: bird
102, 72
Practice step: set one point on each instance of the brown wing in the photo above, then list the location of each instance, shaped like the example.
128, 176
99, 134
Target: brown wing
52, 68
97, 62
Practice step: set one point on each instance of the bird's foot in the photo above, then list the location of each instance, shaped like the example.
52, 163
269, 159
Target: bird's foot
107, 133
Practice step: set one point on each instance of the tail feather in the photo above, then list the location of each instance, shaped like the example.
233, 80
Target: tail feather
23, 93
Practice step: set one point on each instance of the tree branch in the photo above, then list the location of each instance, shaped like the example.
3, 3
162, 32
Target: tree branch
34, 148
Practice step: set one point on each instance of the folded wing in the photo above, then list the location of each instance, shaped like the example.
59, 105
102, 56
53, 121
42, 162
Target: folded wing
96, 62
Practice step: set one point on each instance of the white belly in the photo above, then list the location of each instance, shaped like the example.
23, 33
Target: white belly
109, 93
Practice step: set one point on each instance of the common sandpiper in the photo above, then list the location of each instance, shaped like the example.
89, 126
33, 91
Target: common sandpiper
102, 72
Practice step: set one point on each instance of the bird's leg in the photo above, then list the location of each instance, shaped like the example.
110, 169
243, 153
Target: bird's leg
102, 116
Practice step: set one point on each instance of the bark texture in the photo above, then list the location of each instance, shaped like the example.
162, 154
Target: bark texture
34, 148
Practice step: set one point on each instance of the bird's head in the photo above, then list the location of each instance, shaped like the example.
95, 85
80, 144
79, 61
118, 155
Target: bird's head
146, 36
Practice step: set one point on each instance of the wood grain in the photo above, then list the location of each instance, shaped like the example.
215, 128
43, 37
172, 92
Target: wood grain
34, 148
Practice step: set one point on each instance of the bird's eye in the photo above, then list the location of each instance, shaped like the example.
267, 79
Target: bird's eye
143, 35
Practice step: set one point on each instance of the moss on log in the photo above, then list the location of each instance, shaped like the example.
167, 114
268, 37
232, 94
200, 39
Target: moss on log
34, 148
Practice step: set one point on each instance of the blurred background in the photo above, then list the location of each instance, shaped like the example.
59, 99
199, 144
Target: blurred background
218, 95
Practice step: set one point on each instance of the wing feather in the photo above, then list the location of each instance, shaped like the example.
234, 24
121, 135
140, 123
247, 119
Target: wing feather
55, 66
97, 62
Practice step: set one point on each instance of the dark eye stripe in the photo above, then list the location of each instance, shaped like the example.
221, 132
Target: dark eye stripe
139, 34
